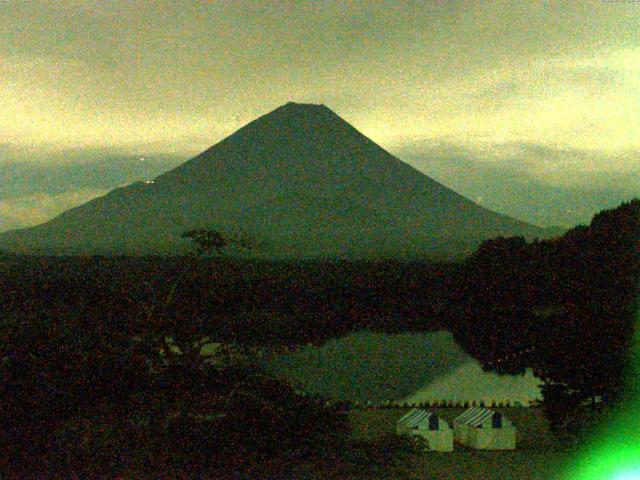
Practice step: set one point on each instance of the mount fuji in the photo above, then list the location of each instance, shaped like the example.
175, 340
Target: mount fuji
300, 181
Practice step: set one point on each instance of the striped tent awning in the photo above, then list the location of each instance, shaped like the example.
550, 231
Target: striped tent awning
418, 415
475, 416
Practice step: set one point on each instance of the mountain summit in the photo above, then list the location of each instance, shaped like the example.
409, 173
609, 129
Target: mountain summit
299, 180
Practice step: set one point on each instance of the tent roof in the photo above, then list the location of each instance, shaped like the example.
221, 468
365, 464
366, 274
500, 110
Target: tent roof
469, 383
475, 416
415, 416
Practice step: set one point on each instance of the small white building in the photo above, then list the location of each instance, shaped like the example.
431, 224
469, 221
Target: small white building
484, 429
434, 432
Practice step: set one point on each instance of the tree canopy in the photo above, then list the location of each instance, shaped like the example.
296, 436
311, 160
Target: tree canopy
563, 307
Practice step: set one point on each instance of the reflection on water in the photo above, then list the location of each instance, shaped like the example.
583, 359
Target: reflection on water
368, 366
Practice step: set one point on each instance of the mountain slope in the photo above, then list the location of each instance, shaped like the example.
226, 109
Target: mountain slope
299, 179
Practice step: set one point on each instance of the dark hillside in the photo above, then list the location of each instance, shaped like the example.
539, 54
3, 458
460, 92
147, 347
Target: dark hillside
284, 302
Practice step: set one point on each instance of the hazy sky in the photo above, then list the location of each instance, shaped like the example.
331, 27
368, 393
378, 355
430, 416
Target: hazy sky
176, 77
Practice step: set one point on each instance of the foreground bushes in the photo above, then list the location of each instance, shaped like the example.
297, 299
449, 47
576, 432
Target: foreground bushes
82, 400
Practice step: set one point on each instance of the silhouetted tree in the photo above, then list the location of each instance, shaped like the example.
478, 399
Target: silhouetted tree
207, 241
563, 307
587, 346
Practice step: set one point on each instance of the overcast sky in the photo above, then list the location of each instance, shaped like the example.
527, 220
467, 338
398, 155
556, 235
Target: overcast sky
176, 77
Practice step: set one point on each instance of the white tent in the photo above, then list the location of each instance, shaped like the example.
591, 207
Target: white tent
484, 429
469, 383
433, 431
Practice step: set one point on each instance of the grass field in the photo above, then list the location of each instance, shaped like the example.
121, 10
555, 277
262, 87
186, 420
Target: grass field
537, 456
